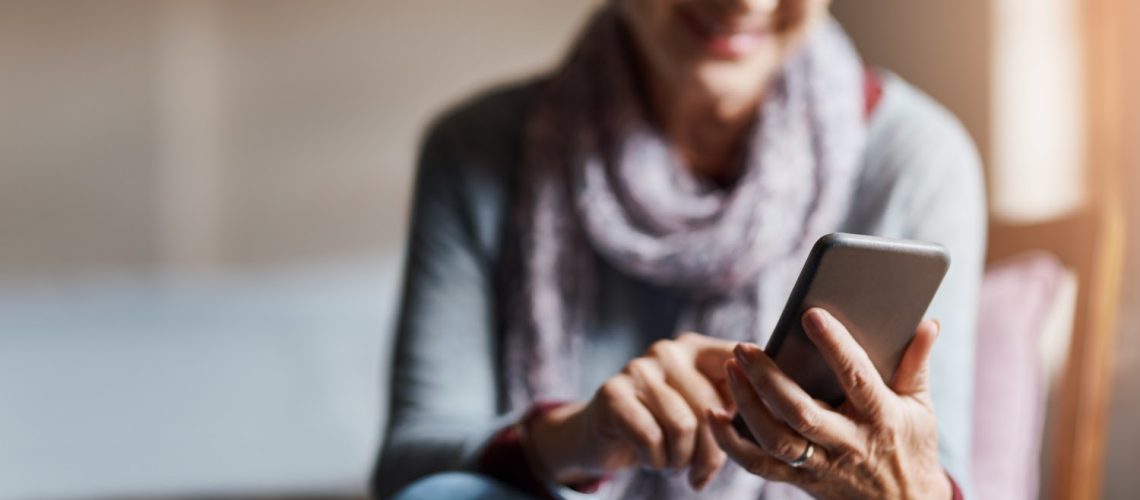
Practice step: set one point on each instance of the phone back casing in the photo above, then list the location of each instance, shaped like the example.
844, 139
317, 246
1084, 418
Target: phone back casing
879, 288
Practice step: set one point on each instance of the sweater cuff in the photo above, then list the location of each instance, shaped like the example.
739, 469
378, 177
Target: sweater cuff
507, 459
955, 489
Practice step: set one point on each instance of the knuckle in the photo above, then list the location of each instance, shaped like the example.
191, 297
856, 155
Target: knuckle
758, 466
689, 338
684, 426
785, 449
805, 421
663, 349
610, 391
629, 367
857, 379
649, 438
847, 457
884, 442
879, 420
640, 367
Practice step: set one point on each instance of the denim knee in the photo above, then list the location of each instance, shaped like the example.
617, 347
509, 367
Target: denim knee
458, 486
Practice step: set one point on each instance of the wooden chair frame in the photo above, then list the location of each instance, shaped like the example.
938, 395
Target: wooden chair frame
1091, 243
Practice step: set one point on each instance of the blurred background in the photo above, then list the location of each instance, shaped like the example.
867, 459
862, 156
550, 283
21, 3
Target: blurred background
203, 206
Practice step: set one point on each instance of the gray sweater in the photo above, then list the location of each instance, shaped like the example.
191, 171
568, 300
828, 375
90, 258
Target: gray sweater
921, 180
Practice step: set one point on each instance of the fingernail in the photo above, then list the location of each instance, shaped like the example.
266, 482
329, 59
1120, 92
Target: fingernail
700, 482
747, 354
814, 321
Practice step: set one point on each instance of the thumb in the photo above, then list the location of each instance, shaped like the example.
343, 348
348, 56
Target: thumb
911, 376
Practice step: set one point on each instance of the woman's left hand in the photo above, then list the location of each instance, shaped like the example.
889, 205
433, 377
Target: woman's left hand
881, 443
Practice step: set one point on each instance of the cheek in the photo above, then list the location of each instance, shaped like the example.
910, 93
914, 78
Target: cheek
794, 16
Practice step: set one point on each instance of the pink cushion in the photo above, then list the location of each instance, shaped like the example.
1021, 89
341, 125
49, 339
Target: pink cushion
1010, 384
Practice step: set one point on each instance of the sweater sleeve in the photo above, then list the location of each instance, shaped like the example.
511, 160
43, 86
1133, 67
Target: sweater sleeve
953, 214
443, 382
925, 184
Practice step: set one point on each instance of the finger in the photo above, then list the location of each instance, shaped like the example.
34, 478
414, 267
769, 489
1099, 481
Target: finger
710, 356
697, 387
751, 457
708, 458
676, 418
710, 353
789, 403
911, 375
853, 369
702, 342
700, 394
779, 440
669, 408
633, 421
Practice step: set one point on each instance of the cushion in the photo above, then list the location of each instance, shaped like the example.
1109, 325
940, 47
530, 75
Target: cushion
1020, 298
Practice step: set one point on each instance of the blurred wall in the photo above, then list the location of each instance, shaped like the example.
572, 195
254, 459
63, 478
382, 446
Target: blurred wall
195, 135
187, 136
1010, 70
944, 48
77, 136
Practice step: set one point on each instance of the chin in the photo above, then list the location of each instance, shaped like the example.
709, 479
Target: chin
722, 78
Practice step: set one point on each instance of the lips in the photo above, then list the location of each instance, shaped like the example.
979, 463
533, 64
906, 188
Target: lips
720, 39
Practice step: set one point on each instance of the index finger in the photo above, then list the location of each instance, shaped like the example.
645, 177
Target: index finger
853, 369
701, 394
711, 353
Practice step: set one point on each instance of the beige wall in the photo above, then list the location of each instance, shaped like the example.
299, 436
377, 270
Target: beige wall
76, 136
941, 47
189, 135
328, 104
1011, 70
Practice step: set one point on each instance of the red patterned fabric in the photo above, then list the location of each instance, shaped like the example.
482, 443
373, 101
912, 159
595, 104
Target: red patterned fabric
872, 91
505, 458
956, 490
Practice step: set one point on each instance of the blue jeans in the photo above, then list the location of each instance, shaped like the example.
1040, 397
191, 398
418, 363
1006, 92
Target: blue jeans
459, 486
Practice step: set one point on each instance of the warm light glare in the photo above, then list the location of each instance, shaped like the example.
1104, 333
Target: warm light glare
1038, 113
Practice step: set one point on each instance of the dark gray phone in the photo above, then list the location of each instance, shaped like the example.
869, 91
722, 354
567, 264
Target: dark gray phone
879, 288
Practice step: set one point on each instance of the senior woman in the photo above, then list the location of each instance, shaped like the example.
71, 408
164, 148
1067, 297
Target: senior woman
596, 256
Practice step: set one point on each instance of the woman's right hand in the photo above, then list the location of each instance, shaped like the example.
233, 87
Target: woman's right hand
648, 415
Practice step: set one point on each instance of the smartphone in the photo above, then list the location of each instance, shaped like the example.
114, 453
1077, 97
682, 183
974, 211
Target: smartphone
879, 288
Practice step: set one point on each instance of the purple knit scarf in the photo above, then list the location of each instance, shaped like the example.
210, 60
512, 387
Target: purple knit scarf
597, 179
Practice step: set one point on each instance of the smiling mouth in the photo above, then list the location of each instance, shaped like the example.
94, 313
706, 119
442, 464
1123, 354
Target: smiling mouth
722, 40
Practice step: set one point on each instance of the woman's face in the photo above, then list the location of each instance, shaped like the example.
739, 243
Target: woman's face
718, 47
